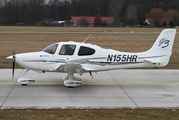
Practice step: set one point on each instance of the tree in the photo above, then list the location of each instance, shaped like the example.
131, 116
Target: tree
36, 10
173, 4
130, 12
157, 14
54, 6
141, 12
131, 15
164, 24
74, 6
115, 7
173, 16
83, 22
97, 21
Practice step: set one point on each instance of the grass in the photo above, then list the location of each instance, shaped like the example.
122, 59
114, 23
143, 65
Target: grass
73, 29
30, 42
88, 114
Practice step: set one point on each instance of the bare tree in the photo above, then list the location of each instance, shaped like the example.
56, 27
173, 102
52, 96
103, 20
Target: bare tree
36, 8
55, 4
98, 6
131, 15
1, 8
115, 7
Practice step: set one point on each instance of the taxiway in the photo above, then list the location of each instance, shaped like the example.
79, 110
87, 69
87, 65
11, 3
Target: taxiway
131, 88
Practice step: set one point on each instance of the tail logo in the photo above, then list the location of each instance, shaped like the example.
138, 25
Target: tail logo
164, 43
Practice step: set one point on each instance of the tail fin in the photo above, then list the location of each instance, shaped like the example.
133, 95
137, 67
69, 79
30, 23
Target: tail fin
161, 51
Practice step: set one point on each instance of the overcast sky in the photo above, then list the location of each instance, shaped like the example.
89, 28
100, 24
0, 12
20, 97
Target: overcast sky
60, 0
48, 1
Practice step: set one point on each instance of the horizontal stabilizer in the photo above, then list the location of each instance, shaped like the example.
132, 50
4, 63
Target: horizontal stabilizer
153, 61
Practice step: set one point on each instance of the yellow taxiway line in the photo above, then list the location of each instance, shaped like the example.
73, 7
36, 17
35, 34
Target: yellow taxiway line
99, 83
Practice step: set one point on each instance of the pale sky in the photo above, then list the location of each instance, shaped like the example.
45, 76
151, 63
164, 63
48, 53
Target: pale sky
60, 0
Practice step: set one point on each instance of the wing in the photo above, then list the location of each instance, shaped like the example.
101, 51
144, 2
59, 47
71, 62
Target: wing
73, 67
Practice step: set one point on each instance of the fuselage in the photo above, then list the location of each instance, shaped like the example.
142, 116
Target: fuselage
91, 57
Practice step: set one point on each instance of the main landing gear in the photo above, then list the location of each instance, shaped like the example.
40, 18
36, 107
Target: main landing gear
71, 81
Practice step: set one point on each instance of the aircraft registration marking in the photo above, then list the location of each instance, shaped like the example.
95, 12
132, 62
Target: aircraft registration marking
122, 58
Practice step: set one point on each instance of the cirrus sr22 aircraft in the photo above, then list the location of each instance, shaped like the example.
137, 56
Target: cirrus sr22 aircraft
74, 57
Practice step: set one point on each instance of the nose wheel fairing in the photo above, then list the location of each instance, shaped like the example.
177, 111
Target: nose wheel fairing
24, 81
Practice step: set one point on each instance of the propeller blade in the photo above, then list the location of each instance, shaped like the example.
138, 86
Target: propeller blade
14, 52
13, 64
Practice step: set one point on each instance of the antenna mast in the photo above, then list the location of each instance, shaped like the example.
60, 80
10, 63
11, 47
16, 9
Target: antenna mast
87, 38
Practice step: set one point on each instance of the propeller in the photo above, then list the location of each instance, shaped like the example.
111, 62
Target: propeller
13, 64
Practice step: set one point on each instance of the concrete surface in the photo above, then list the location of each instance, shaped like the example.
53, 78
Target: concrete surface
132, 88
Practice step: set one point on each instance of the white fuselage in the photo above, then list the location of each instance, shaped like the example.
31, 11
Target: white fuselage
102, 59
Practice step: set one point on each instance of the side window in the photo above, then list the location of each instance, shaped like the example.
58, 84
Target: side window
85, 51
51, 49
67, 49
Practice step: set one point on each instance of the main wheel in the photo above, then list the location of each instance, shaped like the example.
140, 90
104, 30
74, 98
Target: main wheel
23, 84
70, 86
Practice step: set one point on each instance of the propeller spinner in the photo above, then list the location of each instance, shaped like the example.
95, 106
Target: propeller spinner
13, 64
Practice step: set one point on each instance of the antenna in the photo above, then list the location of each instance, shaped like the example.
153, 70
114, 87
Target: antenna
87, 38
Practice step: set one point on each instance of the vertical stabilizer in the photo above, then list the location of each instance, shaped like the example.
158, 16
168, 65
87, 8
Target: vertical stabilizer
162, 48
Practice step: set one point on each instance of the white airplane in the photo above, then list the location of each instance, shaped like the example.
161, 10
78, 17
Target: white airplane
74, 57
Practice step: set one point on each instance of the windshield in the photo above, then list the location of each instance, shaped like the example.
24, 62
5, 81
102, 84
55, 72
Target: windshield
51, 49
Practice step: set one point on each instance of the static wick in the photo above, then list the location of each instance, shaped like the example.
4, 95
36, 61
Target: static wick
87, 38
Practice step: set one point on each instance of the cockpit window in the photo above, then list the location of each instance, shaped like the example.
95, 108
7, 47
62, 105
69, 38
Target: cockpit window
51, 49
85, 51
67, 49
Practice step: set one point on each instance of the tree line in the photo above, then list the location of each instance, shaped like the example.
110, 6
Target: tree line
124, 12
